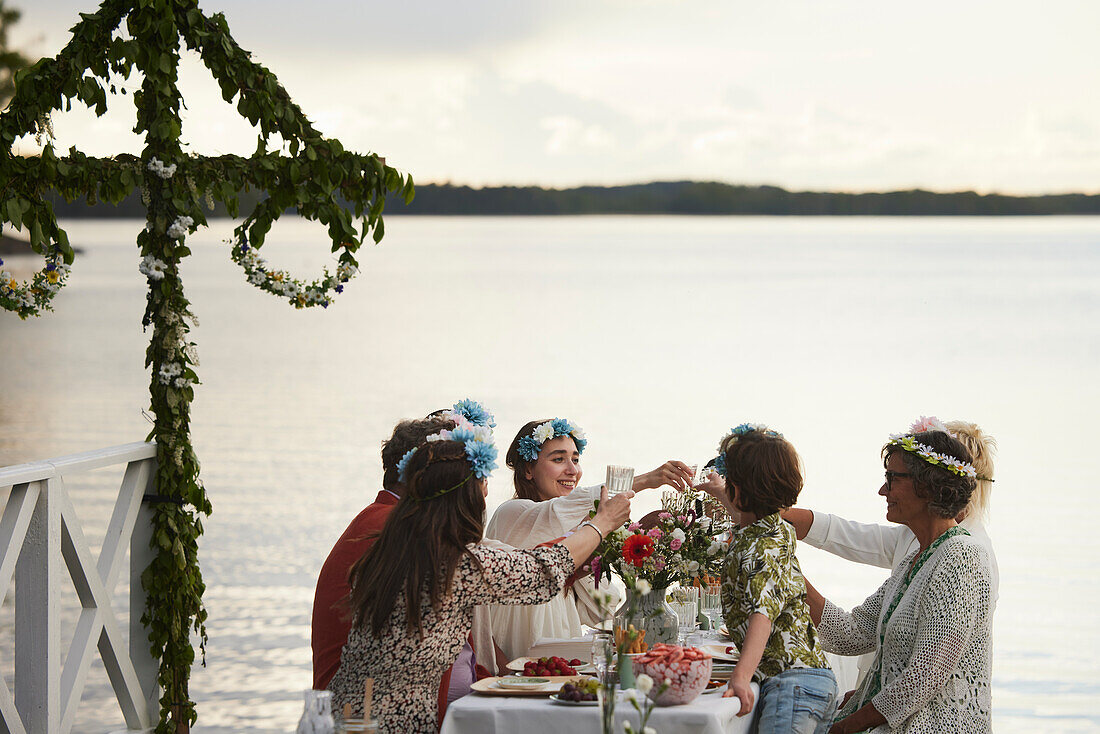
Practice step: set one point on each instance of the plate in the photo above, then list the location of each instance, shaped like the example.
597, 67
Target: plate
489, 687
518, 663
554, 697
522, 684
718, 652
716, 689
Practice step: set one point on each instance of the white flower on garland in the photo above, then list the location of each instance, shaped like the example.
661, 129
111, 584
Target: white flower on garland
577, 432
5, 278
158, 167
345, 271
257, 278
169, 372
180, 227
153, 268
181, 382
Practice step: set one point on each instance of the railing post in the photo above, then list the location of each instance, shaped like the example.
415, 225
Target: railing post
141, 555
37, 630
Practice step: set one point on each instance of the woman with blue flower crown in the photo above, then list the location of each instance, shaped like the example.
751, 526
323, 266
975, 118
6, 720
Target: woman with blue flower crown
412, 603
545, 457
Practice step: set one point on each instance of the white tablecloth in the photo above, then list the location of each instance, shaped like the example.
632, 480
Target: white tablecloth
479, 714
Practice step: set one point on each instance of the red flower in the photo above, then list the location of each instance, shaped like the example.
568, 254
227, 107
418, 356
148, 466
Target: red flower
637, 548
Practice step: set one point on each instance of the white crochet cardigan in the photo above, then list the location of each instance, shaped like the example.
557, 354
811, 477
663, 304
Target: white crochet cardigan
937, 654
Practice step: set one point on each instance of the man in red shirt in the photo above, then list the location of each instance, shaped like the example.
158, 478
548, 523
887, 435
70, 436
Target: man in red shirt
331, 623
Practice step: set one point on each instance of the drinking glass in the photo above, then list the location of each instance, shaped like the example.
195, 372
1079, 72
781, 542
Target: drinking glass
710, 596
685, 614
603, 655
619, 479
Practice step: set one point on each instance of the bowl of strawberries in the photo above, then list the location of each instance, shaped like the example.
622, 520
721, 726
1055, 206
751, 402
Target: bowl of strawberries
687, 670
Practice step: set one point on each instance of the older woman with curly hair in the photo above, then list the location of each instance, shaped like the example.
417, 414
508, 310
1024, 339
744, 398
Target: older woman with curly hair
929, 623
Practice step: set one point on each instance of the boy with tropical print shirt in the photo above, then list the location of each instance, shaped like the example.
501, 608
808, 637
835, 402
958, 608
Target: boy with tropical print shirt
764, 592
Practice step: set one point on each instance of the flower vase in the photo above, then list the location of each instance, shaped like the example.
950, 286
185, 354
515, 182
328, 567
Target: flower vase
650, 613
317, 717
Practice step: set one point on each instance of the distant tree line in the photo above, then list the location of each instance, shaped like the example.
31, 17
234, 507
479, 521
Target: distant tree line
678, 197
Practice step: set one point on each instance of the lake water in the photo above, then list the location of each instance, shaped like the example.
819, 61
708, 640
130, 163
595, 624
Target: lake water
656, 334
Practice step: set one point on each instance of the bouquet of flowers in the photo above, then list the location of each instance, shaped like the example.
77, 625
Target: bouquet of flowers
680, 548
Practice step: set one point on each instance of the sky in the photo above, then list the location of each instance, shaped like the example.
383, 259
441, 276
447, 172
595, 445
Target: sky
848, 95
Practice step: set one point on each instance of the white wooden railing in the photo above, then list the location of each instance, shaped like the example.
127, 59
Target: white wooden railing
38, 531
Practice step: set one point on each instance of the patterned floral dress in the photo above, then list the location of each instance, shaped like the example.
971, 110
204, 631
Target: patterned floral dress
406, 670
762, 576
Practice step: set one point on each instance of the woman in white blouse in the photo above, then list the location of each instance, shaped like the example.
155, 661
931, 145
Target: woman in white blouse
545, 457
886, 545
929, 624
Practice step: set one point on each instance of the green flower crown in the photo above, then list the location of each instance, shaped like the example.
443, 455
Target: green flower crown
909, 444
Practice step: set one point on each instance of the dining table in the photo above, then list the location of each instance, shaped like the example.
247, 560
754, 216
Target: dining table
476, 713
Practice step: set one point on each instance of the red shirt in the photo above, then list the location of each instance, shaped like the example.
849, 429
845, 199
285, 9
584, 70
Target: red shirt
332, 623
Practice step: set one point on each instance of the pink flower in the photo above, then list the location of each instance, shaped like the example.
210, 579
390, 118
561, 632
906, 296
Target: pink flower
633, 527
655, 533
595, 565
675, 544
659, 563
665, 516
682, 518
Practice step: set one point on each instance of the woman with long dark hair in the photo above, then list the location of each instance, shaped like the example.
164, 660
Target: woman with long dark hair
545, 457
414, 591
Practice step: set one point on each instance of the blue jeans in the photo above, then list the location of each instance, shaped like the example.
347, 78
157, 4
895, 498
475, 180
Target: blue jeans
801, 700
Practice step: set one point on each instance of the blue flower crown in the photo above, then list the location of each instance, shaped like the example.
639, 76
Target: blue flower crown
731, 438
474, 412
465, 412
480, 450
530, 446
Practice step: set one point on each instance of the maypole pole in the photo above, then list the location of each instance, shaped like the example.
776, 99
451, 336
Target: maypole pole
316, 177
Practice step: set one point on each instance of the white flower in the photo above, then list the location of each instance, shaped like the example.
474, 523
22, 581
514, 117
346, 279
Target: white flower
161, 170
257, 278
643, 587
345, 271
168, 372
679, 534
577, 431
544, 433
649, 730
153, 268
703, 523
5, 277
631, 694
715, 546
644, 683
291, 290
693, 567
180, 227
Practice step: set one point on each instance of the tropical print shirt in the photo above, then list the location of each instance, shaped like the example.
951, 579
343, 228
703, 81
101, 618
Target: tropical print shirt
762, 575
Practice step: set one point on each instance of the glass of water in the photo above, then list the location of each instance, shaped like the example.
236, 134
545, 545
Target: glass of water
710, 600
